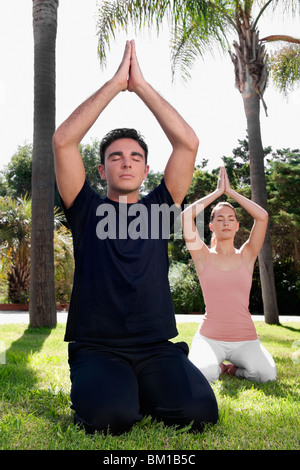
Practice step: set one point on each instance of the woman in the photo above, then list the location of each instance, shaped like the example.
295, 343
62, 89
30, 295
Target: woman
227, 331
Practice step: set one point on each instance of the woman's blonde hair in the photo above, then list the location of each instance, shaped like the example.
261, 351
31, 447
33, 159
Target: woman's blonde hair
212, 215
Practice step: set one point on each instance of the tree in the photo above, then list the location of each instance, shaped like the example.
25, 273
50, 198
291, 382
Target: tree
197, 27
283, 179
16, 176
42, 307
15, 226
15, 239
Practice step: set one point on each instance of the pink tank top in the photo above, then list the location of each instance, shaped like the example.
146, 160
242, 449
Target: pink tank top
226, 296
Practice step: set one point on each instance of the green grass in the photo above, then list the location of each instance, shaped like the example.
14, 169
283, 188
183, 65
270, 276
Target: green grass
35, 408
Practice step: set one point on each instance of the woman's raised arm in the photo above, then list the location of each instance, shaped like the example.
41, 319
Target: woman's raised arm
191, 234
260, 215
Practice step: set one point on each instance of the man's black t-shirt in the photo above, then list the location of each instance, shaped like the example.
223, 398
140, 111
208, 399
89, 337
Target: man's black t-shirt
121, 292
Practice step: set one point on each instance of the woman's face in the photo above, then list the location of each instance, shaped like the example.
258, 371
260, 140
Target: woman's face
224, 224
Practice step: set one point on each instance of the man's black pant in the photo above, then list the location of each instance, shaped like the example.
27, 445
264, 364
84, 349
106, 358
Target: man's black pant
113, 388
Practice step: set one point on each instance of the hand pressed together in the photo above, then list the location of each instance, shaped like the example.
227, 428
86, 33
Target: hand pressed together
129, 74
223, 181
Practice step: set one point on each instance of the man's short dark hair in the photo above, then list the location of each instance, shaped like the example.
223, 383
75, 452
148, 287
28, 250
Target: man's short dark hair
123, 133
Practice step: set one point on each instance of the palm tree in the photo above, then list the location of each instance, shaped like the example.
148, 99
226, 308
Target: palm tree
198, 27
42, 307
15, 239
15, 226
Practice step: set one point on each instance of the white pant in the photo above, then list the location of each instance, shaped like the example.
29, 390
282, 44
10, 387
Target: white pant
253, 361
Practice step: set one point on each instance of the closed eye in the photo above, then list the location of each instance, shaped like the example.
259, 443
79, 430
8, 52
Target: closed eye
137, 157
220, 219
114, 156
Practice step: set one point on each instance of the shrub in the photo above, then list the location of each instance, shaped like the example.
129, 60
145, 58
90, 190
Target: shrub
185, 288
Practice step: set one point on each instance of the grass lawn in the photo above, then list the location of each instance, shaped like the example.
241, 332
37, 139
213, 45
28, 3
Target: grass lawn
35, 407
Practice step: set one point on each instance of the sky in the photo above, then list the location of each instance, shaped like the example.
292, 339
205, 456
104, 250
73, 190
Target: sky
209, 102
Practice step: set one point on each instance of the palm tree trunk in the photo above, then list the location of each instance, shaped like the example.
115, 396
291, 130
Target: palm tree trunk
259, 195
251, 77
42, 307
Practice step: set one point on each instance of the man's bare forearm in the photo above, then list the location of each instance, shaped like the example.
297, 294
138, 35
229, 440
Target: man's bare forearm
178, 132
72, 131
75, 127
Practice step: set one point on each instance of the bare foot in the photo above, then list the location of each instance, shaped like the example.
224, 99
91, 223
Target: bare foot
223, 368
228, 369
231, 370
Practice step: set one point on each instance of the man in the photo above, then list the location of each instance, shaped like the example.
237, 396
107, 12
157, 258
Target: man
121, 317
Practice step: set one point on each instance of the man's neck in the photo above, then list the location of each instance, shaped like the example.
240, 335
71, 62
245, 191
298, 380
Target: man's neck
124, 198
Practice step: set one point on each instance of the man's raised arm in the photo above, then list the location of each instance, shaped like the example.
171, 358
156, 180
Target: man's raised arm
180, 166
70, 172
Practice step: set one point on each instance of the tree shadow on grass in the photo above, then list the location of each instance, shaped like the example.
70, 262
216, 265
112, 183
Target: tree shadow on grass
20, 376
33, 401
290, 328
17, 358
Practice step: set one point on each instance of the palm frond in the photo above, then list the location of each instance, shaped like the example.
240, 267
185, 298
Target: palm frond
289, 7
285, 7
187, 46
285, 68
205, 16
119, 14
200, 32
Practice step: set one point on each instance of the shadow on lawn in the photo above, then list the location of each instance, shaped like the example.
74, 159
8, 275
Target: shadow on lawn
290, 328
19, 354
19, 379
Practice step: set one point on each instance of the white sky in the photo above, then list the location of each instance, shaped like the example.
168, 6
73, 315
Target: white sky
209, 102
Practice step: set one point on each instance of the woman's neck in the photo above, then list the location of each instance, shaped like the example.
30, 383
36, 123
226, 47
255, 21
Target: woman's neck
225, 248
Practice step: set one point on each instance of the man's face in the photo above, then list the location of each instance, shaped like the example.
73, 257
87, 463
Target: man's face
124, 169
